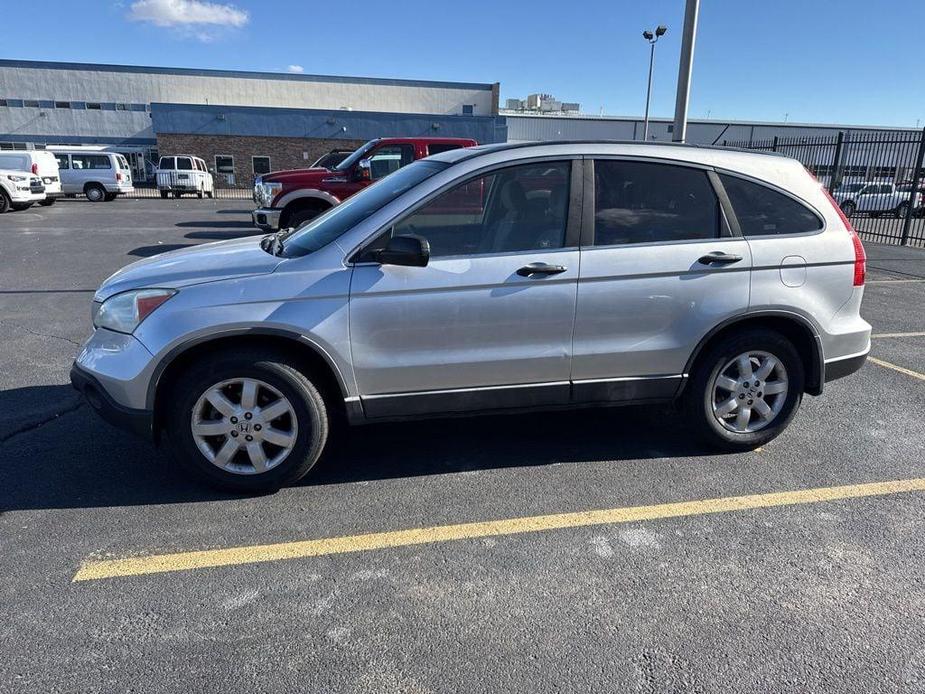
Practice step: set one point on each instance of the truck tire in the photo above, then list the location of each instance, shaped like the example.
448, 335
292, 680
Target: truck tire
95, 192
902, 210
304, 214
4, 202
163, 194
48, 202
232, 447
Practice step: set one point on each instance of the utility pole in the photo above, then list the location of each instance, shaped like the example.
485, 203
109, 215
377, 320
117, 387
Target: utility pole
684, 70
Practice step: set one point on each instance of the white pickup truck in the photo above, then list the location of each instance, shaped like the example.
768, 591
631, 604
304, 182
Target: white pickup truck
879, 198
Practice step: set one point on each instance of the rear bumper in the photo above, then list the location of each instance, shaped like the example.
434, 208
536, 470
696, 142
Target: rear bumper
138, 422
266, 218
839, 368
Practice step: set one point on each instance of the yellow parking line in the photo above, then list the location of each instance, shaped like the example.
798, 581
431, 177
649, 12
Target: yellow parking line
918, 334
900, 369
185, 561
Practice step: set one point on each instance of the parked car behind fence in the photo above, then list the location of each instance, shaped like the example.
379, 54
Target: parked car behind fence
184, 173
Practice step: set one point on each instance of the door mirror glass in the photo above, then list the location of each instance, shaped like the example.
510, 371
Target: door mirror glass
412, 251
363, 169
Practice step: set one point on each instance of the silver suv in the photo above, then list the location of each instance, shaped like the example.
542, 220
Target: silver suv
496, 278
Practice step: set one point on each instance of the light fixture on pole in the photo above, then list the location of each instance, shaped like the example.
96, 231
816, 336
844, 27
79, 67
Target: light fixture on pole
652, 39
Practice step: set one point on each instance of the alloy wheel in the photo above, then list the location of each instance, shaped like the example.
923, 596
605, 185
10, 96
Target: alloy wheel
244, 426
749, 392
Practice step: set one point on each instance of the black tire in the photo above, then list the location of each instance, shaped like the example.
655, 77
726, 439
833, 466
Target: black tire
177, 194
48, 202
299, 217
699, 396
164, 194
849, 208
95, 192
199, 194
111, 196
20, 206
278, 371
902, 210
210, 193
5, 204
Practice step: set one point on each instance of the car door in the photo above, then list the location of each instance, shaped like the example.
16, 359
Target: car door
659, 269
488, 322
867, 198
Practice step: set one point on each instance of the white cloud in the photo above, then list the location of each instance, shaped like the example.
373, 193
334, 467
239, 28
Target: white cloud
296, 68
171, 13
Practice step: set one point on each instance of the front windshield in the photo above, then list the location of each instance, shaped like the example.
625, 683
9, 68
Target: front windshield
350, 161
321, 230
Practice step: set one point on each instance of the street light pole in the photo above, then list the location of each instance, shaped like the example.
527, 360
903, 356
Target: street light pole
652, 39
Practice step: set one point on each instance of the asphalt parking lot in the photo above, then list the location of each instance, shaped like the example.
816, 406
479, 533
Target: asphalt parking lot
805, 591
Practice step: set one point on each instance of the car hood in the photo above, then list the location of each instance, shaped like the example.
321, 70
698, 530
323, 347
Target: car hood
281, 176
181, 268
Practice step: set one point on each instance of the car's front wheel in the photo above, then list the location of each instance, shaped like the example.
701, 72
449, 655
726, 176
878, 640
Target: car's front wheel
745, 389
248, 422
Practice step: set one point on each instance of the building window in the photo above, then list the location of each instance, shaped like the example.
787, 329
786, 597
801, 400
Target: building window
2, 102
14, 103
120, 107
468, 109
31, 103
224, 168
138, 107
261, 165
93, 106
62, 104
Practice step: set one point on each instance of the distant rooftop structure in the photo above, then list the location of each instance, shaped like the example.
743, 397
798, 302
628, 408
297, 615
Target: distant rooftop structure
541, 103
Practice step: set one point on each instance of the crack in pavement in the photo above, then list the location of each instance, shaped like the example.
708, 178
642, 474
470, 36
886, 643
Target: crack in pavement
32, 426
38, 334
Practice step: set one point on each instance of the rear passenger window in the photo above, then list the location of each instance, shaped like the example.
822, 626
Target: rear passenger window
167, 163
762, 211
640, 202
184, 164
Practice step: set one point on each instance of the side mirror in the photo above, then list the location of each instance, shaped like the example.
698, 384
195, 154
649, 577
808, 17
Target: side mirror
363, 170
412, 251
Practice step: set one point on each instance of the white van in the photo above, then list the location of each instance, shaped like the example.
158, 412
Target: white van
184, 173
98, 175
39, 163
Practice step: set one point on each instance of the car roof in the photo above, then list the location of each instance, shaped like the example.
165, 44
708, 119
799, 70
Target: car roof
425, 139
667, 150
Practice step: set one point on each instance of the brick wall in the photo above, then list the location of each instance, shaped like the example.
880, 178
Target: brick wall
284, 152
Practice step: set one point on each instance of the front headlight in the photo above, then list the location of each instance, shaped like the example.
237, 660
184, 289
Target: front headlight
124, 312
269, 191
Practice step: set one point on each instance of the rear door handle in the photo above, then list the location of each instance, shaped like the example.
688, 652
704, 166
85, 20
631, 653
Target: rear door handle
541, 269
718, 257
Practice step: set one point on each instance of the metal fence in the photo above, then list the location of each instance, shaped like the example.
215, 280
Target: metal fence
222, 192
876, 176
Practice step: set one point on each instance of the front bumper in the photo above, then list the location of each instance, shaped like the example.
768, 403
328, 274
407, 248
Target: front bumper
138, 422
266, 218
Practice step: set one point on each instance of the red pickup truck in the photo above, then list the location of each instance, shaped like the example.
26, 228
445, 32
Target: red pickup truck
288, 198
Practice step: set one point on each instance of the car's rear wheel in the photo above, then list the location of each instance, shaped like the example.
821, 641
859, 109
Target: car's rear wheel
250, 421
95, 192
4, 202
902, 210
745, 389
164, 194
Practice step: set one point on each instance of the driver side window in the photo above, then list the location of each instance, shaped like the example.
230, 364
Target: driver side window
519, 208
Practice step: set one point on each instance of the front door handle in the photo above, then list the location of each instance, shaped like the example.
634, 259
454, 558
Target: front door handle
718, 257
541, 269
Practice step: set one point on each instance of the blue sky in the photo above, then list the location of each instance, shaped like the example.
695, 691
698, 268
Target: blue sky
853, 61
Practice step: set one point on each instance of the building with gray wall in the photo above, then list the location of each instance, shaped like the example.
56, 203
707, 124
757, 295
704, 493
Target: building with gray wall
45, 103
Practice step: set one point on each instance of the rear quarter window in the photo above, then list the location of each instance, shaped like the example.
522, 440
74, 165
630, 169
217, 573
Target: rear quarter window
167, 163
762, 211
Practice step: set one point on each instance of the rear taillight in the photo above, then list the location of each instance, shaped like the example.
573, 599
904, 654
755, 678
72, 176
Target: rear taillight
860, 257
118, 177
35, 169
